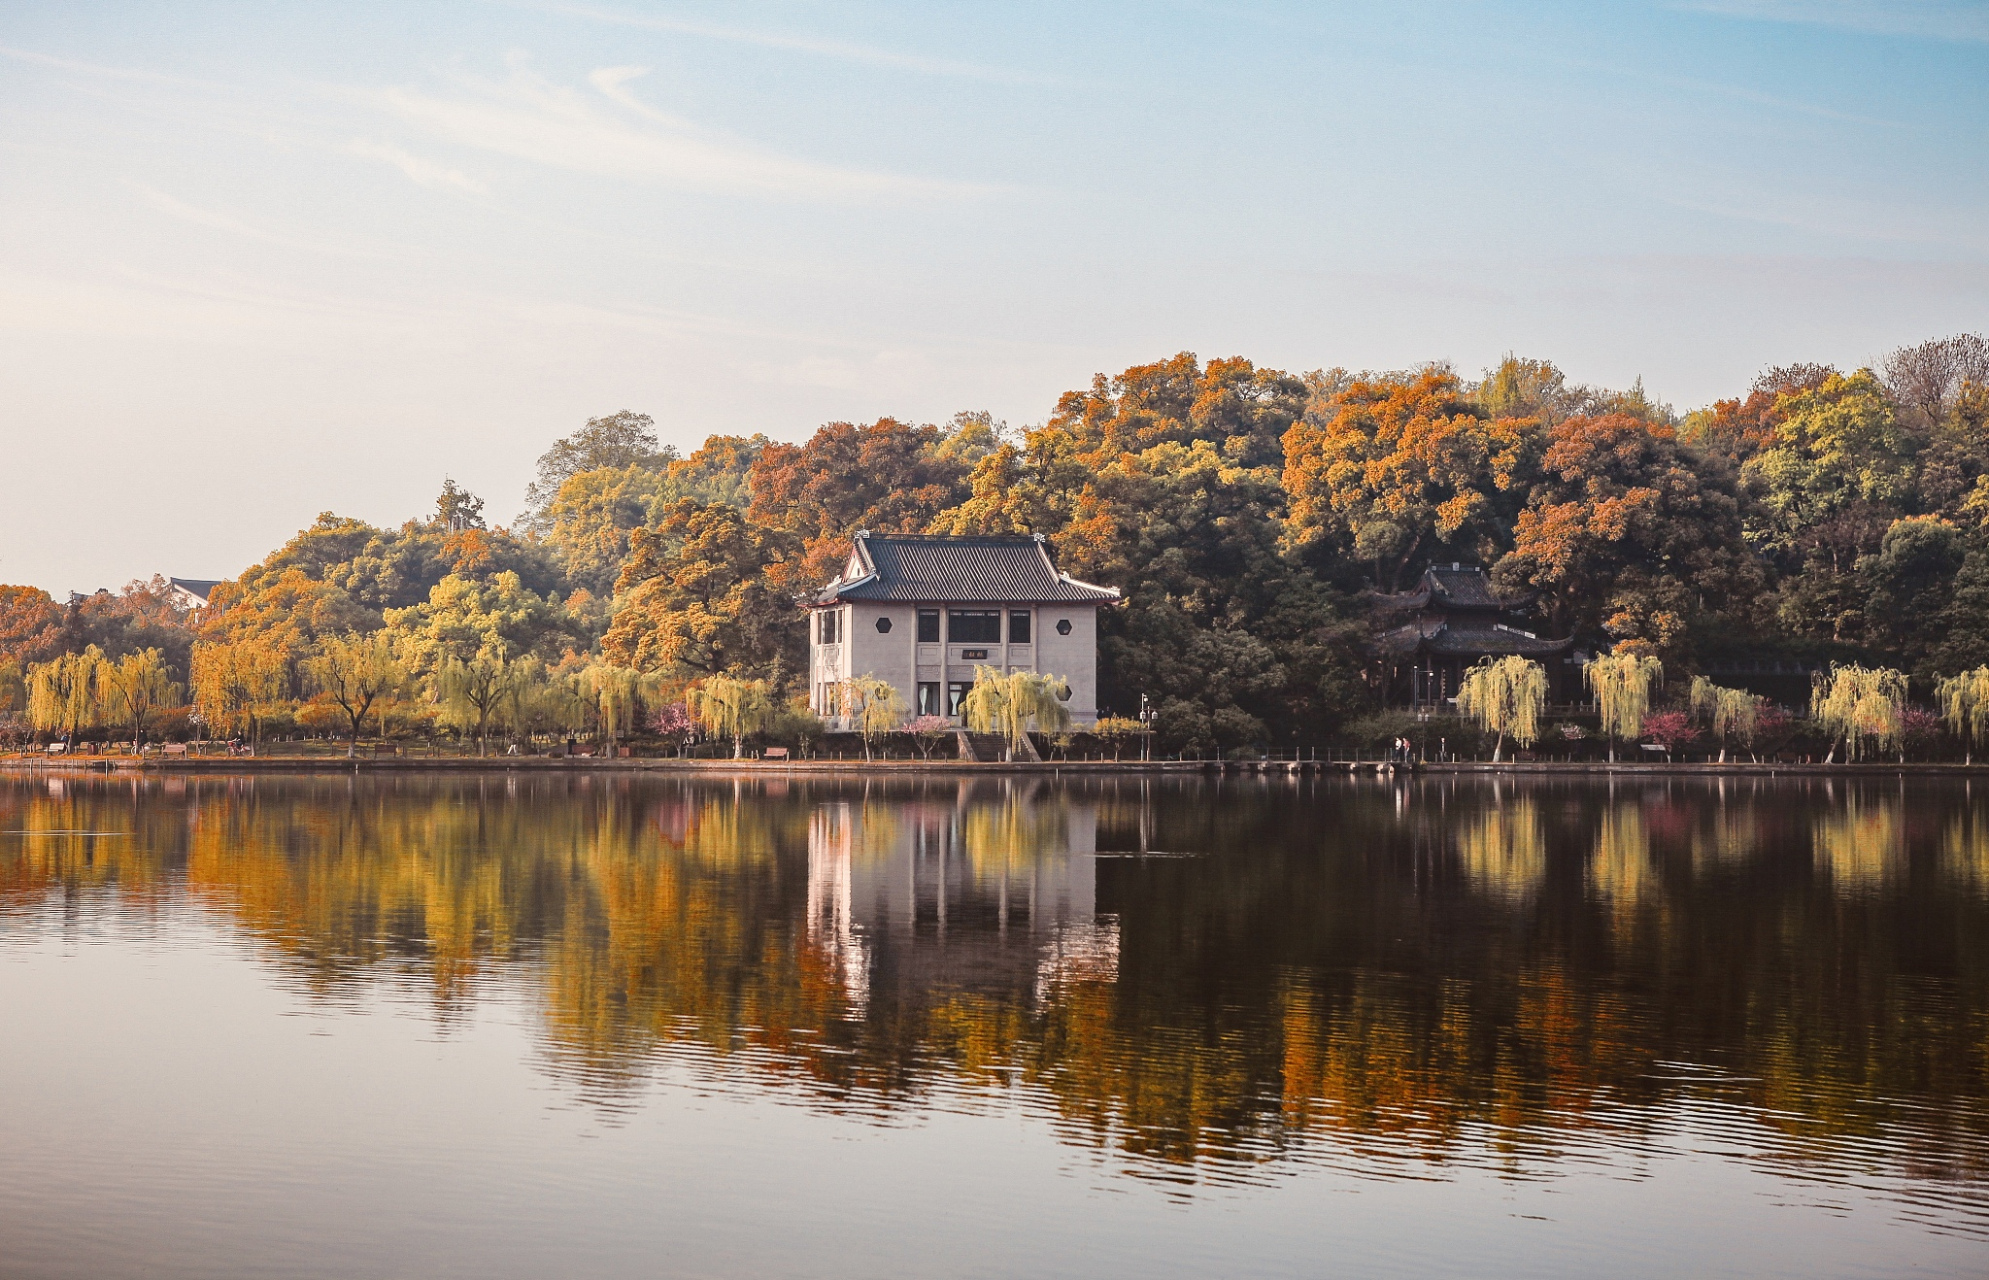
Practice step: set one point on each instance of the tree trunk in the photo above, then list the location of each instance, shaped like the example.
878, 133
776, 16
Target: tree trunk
1498, 748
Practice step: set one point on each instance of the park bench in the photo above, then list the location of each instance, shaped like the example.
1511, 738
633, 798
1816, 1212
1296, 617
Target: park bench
776, 753
174, 748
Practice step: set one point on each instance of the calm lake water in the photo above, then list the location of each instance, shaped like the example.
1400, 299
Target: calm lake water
491, 1027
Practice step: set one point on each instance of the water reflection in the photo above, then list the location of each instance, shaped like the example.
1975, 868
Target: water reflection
1207, 985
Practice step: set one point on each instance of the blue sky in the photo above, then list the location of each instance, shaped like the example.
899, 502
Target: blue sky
263, 260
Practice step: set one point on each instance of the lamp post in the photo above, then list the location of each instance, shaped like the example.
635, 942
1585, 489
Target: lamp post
1148, 714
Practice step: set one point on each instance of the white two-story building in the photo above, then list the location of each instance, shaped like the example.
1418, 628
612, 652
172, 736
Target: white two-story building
923, 612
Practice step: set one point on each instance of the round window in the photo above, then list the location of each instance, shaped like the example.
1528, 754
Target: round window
884, 625
1063, 626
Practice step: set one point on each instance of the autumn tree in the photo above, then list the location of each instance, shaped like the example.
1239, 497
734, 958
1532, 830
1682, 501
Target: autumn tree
1860, 705
1013, 704
693, 595
30, 624
1631, 533
356, 672
1398, 469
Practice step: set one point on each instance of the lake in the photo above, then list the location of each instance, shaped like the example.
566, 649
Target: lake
600, 1025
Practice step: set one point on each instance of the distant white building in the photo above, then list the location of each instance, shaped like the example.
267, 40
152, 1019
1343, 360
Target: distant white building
191, 594
923, 612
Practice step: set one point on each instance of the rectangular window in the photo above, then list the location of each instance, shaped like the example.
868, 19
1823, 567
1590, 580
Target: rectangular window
1018, 627
974, 626
956, 693
929, 698
831, 625
929, 627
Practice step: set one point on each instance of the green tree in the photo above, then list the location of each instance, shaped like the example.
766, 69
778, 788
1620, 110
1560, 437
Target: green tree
1838, 449
589, 520
617, 693
617, 441
1505, 696
1733, 713
356, 672
465, 617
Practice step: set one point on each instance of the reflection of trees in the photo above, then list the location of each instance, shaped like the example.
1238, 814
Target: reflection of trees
1296, 979
1504, 850
1857, 843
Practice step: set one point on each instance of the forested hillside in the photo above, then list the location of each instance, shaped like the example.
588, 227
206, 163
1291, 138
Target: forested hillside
1248, 515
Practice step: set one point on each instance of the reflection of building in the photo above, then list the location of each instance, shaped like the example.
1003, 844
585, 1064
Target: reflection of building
993, 893
924, 612
1449, 623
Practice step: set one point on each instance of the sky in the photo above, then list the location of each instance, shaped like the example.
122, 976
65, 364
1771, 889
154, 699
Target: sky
262, 260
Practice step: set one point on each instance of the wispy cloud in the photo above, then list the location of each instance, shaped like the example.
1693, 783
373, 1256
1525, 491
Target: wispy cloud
213, 220
425, 172
530, 118
840, 50
1957, 20
102, 72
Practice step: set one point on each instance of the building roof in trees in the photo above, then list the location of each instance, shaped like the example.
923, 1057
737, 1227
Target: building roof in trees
195, 590
928, 569
1454, 588
1440, 639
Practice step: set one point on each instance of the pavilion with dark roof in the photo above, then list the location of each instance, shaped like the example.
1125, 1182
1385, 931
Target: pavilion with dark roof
1452, 620
922, 612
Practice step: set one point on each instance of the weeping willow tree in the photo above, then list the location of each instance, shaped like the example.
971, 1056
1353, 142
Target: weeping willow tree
1735, 713
63, 693
232, 684
1013, 704
617, 693
1622, 683
474, 693
729, 707
874, 705
1505, 697
1860, 705
134, 688
1964, 703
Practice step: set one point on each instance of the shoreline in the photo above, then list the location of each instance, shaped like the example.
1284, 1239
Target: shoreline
783, 768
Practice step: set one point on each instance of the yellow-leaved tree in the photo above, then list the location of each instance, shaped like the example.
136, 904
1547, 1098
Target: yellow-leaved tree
875, 706
1505, 696
355, 672
1622, 682
1013, 704
1964, 700
472, 693
1734, 712
1859, 704
235, 682
134, 688
63, 693
729, 707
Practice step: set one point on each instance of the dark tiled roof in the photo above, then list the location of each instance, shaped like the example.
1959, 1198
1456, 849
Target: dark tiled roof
934, 570
1453, 642
1451, 588
202, 587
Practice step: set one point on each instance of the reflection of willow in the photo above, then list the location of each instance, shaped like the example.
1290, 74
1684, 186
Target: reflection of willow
1504, 850
1857, 842
1012, 833
1619, 869
1965, 850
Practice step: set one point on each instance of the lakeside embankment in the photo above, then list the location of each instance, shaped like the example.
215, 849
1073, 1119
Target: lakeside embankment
1262, 768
